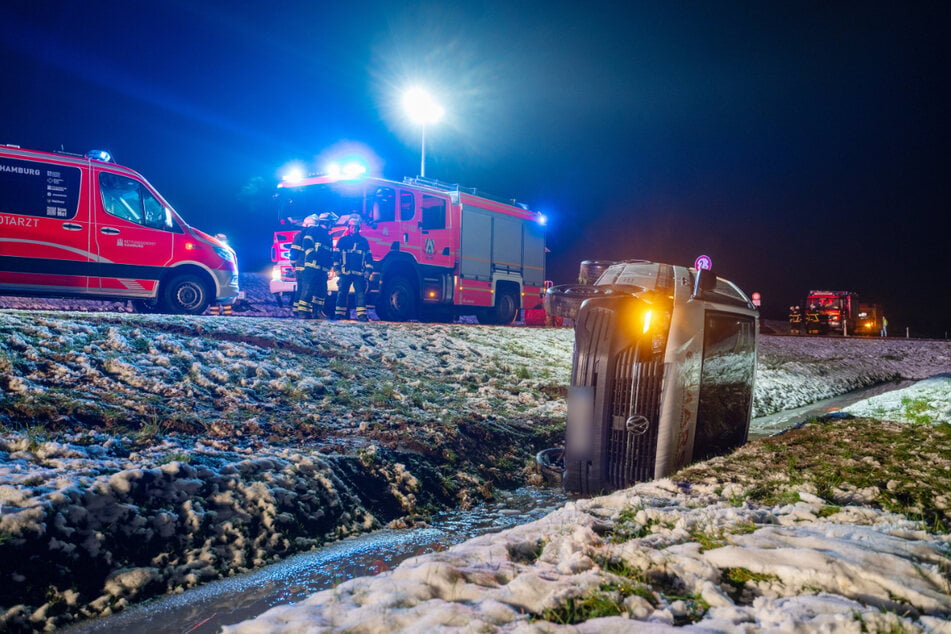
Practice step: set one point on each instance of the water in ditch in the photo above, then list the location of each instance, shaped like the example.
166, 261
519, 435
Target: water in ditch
205, 609
773, 424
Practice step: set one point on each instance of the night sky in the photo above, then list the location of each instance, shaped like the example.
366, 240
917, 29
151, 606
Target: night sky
801, 145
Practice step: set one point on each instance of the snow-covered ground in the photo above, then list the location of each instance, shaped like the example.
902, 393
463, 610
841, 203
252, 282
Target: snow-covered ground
143, 454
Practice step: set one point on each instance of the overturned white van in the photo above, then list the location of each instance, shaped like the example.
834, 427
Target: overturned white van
662, 374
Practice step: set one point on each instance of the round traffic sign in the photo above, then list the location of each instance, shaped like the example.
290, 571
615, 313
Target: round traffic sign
703, 262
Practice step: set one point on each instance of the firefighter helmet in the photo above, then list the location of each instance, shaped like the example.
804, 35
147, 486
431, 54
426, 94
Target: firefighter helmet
327, 218
310, 221
354, 221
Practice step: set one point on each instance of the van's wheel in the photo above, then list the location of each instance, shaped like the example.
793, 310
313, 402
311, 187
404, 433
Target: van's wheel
185, 295
504, 311
397, 300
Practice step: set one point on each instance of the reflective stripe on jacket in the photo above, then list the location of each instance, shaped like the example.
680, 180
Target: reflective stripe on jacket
354, 257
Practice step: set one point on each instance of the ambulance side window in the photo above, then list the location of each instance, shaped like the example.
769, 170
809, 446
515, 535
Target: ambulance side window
434, 213
128, 199
407, 206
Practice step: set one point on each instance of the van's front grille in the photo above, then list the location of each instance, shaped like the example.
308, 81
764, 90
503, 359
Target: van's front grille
632, 443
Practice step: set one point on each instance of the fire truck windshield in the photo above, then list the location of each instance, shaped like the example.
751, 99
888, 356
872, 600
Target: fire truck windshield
343, 199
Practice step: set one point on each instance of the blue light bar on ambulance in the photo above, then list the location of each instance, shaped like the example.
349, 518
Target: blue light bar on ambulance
100, 155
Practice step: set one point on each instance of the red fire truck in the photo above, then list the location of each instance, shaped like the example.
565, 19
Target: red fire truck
439, 250
870, 320
831, 312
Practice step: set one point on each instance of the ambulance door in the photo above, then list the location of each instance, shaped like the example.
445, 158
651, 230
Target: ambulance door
134, 234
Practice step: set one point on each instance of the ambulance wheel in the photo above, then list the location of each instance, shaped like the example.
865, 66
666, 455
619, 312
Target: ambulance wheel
186, 295
145, 306
397, 300
505, 310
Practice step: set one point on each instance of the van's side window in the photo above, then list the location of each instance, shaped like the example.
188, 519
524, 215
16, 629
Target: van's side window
128, 199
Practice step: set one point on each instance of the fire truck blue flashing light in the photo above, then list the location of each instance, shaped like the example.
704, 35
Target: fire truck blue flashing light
542, 219
293, 175
346, 171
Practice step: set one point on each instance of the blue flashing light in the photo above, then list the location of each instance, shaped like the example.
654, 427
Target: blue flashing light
542, 219
293, 176
354, 169
100, 155
349, 170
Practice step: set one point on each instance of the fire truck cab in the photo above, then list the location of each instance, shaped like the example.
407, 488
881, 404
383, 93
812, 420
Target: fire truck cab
831, 312
439, 250
83, 226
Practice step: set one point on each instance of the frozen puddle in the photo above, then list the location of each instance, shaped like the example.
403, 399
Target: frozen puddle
205, 609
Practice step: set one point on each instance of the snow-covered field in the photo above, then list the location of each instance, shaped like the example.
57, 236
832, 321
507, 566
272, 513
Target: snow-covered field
144, 454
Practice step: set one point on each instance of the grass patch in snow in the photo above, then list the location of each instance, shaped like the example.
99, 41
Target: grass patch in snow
916, 410
608, 600
847, 462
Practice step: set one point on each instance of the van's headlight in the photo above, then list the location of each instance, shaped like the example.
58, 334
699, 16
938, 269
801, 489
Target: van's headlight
226, 254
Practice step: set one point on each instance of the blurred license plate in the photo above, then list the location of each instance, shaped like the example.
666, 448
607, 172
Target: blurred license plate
579, 431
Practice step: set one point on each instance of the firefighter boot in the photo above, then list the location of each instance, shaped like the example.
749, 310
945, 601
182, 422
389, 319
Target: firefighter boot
301, 309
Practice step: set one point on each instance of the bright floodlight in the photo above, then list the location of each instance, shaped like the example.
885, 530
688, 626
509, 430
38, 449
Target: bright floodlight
423, 110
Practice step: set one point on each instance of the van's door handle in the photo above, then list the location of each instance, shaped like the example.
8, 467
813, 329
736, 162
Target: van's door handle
109, 231
72, 226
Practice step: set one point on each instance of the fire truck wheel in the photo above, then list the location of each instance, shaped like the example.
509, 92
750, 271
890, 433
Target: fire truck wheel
185, 295
504, 312
397, 301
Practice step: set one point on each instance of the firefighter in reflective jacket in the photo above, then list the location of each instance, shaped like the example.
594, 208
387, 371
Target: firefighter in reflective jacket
354, 263
795, 320
313, 259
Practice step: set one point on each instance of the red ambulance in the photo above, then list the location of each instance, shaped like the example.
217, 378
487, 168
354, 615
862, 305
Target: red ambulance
85, 227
